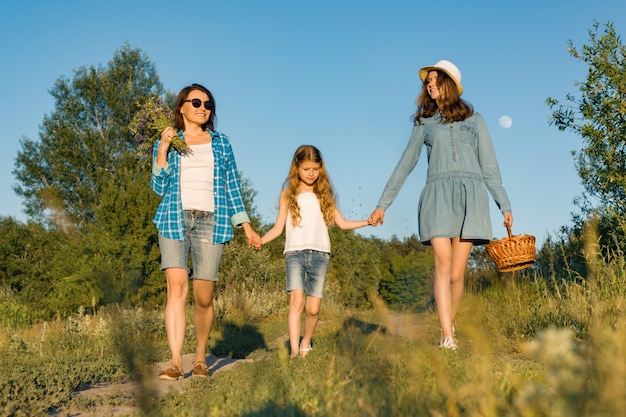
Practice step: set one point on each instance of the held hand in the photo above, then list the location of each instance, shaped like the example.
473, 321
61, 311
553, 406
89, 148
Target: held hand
254, 240
262, 242
256, 243
377, 216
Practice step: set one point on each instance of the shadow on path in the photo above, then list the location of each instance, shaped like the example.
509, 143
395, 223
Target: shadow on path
236, 343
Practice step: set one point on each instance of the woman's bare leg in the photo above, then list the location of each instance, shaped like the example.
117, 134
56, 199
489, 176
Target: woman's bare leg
203, 315
177, 289
451, 256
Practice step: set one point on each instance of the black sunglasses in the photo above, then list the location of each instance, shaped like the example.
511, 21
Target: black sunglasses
196, 102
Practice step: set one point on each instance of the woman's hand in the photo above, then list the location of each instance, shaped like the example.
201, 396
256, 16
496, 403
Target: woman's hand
168, 134
376, 217
508, 220
253, 238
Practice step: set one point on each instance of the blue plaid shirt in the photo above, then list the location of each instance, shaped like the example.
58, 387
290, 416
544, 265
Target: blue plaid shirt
228, 199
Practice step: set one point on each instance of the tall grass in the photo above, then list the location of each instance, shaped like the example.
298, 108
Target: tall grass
529, 346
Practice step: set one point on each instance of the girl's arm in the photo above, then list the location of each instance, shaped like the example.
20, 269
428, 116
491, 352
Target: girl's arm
347, 224
277, 229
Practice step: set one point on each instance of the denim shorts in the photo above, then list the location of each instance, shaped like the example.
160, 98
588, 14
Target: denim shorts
306, 270
205, 256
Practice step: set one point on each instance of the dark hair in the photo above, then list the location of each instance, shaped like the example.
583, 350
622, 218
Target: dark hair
449, 103
180, 100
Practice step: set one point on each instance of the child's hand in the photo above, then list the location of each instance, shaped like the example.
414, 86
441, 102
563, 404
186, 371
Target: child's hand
376, 217
253, 238
255, 242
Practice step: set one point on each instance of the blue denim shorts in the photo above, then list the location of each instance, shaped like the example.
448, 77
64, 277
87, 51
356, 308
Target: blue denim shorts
205, 256
306, 270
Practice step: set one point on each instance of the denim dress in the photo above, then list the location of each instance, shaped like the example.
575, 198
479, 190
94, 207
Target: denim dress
462, 167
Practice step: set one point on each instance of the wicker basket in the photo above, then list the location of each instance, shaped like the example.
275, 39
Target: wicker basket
512, 253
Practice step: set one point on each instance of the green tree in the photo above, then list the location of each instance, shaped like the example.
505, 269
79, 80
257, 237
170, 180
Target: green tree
84, 140
85, 177
353, 272
407, 267
598, 115
25, 254
409, 283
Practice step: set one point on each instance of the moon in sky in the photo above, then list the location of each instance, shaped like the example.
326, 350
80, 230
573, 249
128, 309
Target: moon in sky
506, 122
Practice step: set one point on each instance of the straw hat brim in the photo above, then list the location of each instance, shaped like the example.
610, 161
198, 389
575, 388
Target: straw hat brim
424, 73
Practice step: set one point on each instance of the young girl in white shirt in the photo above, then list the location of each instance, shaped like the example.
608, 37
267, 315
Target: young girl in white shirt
307, 208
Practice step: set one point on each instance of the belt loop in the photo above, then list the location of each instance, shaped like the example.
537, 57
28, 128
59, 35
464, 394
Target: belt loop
196, 212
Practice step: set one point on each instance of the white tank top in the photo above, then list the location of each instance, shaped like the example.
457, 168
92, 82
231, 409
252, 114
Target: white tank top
196, 178
312, 231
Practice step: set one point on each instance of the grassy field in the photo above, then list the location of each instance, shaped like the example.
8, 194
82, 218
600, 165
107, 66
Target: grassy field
529, 346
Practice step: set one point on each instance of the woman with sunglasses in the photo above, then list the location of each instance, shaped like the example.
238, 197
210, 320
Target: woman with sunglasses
201, 198
454, 206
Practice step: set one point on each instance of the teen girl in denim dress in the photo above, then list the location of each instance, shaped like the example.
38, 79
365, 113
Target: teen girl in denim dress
453, 207
307, 208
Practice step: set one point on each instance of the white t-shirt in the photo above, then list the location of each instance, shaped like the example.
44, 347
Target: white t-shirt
312, 231
196, 178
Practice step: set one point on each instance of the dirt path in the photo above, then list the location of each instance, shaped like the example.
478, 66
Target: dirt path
396, 324
407, 325
130, 389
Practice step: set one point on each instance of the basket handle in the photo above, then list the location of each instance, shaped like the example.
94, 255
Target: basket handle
508, 229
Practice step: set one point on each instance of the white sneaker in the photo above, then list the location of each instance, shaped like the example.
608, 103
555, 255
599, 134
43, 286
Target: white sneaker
441, 334
449, 343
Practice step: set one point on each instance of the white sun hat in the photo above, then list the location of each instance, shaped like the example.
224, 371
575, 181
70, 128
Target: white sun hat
447, 67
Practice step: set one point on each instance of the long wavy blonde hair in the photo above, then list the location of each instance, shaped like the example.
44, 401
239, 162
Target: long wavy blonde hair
322, 188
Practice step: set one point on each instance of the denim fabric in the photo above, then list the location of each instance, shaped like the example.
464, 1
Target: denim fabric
462, 167
229, 204
306, 270
205, 256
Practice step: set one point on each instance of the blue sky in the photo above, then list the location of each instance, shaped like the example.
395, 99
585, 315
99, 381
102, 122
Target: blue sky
341, 75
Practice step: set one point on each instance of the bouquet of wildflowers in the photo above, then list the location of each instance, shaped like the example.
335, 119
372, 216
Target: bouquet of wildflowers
149, 122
